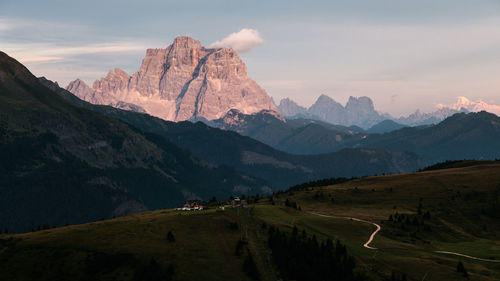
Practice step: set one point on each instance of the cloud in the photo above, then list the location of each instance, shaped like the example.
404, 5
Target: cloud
241, 41
39, 53
40, 59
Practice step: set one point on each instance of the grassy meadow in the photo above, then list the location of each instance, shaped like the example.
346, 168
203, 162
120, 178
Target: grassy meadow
453, 209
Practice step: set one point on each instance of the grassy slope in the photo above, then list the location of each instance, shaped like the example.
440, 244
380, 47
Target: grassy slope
458, 199
205, 243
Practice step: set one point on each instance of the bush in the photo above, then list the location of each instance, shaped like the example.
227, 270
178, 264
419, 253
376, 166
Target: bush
170, 236
461, 269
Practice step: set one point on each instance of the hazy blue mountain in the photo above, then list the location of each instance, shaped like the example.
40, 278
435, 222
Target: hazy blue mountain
358, 112
461, 136
418, 118
298, 136
385, 126
288, 107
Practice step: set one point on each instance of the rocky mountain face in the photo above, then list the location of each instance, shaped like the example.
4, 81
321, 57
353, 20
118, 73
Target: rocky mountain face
181, 82
288, 107
359, 112
61, 163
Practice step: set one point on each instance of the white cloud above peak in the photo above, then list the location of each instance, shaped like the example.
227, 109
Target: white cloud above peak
242, 41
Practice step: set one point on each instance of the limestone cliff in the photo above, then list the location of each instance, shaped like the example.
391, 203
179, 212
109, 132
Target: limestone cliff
181, 82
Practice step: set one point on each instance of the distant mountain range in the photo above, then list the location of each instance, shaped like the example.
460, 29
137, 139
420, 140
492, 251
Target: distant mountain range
301, 136
276, 168
187, 81
358, 112
181, 82
460, 136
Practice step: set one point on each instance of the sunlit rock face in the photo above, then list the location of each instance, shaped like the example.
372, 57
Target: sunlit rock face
182, 82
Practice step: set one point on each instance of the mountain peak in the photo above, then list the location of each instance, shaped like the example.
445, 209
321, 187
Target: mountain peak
12, 68
463, 100
290, 108
76, 83
364, 102
182, 82
324, 98
186, 42
464, 103
80, 87
325, 101
117, 72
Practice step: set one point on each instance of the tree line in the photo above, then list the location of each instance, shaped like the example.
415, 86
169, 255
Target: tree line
318, 183
299, 257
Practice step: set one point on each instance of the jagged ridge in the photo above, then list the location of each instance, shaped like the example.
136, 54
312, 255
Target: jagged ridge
181, 82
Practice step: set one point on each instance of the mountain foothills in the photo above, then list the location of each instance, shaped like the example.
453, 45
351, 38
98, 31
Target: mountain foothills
181, 82
301, 136
385, 126
461, 136
64, 161
278, 169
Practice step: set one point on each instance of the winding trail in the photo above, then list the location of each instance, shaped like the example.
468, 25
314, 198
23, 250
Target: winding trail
367, 244
465, 256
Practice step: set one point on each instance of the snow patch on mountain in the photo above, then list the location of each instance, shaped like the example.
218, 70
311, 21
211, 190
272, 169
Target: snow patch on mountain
474, 106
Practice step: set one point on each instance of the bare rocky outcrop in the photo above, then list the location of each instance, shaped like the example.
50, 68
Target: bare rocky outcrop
289, 108
83, 90
181, 82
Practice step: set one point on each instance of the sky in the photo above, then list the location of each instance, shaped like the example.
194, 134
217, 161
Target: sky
405, 55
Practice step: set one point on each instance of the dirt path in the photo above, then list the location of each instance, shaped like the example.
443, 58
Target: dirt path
367, 244
465, 256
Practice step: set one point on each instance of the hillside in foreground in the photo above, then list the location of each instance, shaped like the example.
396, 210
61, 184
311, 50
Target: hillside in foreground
63, 164
450, 209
